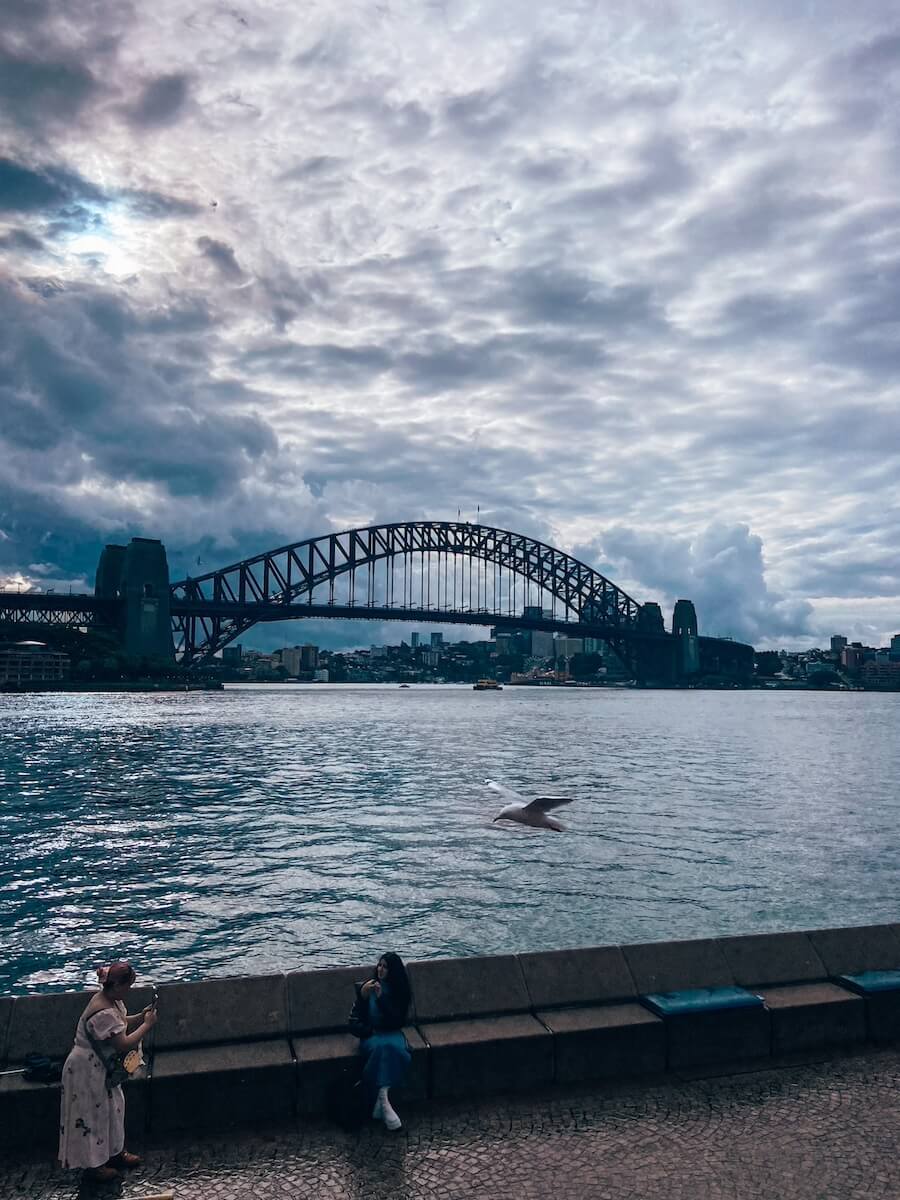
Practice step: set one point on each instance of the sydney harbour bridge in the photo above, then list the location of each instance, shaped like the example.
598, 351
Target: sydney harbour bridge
437, 572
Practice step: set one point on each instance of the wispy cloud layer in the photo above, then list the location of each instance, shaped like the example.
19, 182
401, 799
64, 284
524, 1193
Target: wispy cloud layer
627, 279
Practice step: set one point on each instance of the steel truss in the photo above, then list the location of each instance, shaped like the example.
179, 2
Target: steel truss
209, 611
27, 608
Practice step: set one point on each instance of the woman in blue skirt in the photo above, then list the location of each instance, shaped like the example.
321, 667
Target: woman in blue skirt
378, 1017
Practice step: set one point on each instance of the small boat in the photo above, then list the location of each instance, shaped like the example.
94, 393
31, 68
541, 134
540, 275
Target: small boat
487, 685
403, 685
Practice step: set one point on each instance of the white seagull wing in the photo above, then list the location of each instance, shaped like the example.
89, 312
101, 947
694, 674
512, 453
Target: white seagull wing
545, 803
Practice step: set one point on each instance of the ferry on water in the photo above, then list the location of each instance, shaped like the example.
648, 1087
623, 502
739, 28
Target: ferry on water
487, 685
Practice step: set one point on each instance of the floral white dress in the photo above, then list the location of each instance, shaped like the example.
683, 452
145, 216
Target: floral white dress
92, 1117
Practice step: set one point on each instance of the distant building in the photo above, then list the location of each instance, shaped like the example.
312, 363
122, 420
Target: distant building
567, 647
895, 648
881, 674
852, 657
231, 656
32, 662
290, 660
309, 657
838, 642
414, 639
437, 640
542, 644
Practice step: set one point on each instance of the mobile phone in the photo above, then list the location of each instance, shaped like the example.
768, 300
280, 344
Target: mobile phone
154, 1000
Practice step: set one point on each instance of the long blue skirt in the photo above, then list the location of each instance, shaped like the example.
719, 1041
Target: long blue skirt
386, 1060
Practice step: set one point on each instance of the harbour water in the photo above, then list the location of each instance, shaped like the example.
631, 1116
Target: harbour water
268, 828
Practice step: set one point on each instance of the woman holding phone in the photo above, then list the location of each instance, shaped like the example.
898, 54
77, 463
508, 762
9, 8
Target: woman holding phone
92, 1117
377, 1019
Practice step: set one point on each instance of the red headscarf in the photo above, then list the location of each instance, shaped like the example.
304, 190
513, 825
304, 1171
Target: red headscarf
117, 972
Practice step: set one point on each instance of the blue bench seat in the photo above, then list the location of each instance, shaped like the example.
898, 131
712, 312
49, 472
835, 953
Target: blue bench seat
700, 1000
868, 982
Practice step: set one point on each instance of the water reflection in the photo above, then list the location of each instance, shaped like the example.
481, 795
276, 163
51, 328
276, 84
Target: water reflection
259, 828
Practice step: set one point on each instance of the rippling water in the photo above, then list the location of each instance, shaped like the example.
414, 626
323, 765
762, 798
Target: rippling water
264, 828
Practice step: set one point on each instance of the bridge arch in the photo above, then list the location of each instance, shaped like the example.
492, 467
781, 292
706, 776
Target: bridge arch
361, 571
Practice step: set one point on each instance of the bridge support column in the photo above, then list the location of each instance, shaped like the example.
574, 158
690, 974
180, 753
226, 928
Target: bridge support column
138, 576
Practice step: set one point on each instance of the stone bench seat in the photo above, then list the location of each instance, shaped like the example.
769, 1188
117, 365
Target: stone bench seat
222, 1055
473, 1014
858, 959
480, 1055
587, 999
319, 1005
807, 1011
709, 1019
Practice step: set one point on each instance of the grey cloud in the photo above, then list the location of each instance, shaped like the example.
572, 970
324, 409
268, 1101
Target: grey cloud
222, 255
43, 189
161, 101
20, 239
157, 205
721, 569
35, 91
319, 164
401, 123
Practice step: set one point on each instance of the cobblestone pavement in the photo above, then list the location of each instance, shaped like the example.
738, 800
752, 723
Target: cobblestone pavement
824, 1130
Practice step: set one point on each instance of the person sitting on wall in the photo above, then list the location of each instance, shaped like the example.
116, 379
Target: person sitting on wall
377, 1019
92, 1116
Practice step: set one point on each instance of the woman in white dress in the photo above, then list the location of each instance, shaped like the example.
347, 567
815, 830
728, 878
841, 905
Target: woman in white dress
92, 1117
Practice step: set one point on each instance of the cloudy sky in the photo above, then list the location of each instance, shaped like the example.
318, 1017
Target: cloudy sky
624, 276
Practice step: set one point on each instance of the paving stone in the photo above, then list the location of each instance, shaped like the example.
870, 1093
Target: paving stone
811, 1131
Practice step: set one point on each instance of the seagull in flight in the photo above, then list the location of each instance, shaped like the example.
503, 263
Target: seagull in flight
528, 812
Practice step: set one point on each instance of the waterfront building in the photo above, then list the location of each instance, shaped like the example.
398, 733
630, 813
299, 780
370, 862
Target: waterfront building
231, 656
309, 657
838, 642
895, 648
31, 662
881, 675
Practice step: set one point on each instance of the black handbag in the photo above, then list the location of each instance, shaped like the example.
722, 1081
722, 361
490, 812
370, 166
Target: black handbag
358, 1021
41, 1069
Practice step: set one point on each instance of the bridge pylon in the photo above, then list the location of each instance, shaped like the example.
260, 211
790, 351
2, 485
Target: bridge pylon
137, 575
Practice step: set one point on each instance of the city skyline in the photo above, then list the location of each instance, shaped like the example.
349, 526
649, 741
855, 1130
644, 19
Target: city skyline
619, 281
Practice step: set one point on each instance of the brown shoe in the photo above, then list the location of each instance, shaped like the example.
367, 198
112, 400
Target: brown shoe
105, 1174
126, 1160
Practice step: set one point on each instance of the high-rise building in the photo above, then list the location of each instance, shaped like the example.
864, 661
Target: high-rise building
231, 656
290, 660
542, 644
437, 640
567, 647
838, 642
309, 657
852, 657
414, 639
895, 648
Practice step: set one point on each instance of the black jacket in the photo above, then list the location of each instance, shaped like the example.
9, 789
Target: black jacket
392, 1010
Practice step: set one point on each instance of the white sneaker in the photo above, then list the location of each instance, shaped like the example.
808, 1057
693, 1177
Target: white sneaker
390, 1118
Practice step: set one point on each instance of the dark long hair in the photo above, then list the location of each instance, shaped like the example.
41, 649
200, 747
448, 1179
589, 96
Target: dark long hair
398, 980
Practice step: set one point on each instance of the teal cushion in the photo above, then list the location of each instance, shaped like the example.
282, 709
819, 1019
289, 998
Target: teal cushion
872, 981
698, 1000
